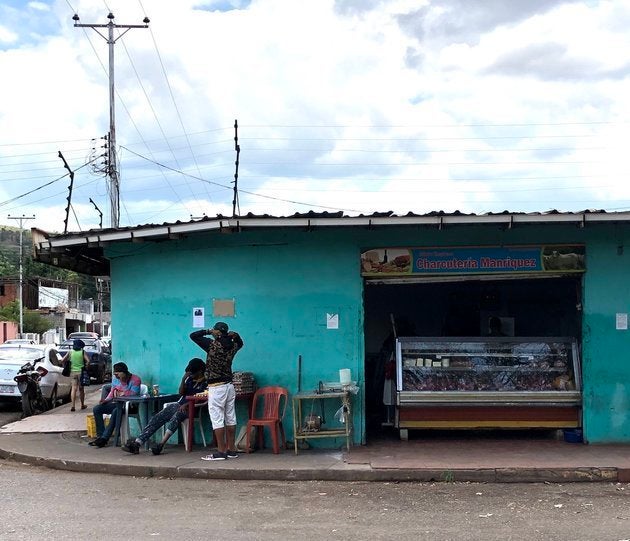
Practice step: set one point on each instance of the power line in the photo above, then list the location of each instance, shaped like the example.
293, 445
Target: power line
244, 191
40, 187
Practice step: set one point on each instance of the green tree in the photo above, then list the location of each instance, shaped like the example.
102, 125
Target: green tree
33, 321
10, 264
10, 312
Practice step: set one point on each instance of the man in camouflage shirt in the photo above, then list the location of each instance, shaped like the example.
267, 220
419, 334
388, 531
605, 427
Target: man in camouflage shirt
220, 345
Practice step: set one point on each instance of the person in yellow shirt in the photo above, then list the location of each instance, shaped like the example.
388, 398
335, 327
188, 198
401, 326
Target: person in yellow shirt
79, 360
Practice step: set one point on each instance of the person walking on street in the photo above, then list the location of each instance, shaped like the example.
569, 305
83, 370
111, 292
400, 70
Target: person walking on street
220, 345
124, 383
79, 361
193, 382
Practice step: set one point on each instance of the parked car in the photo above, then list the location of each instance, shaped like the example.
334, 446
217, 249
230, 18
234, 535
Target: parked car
82, 335
19, 341
100, 367
54, 386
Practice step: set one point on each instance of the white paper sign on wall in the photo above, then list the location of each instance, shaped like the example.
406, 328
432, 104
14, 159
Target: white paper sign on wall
332, 321
198, 317
621, 322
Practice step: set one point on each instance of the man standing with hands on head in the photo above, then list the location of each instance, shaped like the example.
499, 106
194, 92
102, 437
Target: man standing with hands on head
220, 345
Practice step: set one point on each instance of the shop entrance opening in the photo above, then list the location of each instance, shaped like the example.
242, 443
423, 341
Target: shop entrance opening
467, 307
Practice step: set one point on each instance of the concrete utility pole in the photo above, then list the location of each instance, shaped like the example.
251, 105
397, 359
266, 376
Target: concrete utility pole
112, 172
21, 219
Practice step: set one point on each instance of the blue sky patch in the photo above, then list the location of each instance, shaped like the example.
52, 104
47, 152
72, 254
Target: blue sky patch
224, 5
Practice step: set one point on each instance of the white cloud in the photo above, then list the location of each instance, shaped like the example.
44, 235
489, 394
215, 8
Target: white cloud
7, 36
39, 6
361, 106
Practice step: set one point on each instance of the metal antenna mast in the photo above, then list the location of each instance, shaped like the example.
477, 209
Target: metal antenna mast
112, 172
21, 219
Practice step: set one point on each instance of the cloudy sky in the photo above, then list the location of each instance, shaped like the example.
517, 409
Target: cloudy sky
355, 105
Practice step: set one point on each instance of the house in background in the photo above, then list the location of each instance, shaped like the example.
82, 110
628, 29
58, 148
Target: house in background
326, 289
8, 331
55, 300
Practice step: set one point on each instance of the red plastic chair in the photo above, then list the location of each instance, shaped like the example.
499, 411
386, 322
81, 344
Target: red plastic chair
273, 408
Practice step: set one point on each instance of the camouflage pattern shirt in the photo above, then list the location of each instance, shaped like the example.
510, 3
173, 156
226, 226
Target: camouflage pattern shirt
219, 354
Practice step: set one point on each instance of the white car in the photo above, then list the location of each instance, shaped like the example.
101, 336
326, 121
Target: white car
54, 386
19, 341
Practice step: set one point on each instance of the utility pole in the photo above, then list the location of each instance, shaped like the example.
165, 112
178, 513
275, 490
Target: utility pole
21, 305
112, 172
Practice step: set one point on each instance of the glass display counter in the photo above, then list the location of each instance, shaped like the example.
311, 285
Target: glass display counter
497, 382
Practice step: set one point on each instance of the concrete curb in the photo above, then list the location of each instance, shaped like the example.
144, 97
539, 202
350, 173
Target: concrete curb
346, 473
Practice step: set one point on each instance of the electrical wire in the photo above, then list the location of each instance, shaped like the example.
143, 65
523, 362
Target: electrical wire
244, 191
170, 90
3, 203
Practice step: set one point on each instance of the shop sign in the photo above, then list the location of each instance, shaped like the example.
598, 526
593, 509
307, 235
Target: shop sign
473, 260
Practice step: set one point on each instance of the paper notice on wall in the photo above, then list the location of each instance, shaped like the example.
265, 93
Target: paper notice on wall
198, 318
332, 321
621, 322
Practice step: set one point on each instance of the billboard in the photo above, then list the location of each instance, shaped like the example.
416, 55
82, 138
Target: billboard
51, 297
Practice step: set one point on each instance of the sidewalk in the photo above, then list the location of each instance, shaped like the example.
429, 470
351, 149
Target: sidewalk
57, 440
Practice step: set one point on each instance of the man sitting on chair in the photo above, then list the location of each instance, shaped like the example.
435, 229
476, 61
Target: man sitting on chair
193, 382
124, 383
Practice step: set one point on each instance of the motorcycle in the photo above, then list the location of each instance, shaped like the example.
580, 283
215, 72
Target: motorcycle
27, 380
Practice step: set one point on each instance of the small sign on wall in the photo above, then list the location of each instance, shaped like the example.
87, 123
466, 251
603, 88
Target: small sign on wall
621, 321
223, 307
198, 317
332, 321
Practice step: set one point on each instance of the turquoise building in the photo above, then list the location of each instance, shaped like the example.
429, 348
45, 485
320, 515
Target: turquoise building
312, 294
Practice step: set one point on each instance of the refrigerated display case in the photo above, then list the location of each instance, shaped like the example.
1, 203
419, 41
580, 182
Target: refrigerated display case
493, 382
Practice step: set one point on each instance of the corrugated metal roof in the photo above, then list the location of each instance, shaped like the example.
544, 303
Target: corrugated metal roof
340, 215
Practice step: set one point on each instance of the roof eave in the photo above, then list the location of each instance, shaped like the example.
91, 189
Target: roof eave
84, 251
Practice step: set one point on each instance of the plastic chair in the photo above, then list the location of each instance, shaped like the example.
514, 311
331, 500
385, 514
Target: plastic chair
273, 409
200, 407
132, 411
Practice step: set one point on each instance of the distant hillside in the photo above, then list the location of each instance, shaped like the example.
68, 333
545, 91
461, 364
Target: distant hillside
10, 263
10, 249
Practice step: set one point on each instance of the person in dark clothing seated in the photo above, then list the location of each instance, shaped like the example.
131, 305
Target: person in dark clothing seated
193, 382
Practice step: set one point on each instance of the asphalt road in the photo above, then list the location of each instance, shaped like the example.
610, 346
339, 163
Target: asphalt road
39, 503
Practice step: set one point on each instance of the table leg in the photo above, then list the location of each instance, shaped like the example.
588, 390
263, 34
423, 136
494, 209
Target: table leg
295, 427
145, 418
191, 424
119, 413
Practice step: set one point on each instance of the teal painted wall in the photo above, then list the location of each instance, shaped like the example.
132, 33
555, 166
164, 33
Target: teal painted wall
283, 287
606, 351
284, 282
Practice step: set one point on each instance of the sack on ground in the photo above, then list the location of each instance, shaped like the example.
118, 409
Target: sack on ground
85, 378
241, 439
66, 368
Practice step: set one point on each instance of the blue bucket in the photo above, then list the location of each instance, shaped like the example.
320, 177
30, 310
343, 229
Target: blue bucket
573, 435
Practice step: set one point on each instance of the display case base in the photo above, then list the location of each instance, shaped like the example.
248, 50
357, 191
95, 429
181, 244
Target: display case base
472, 417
